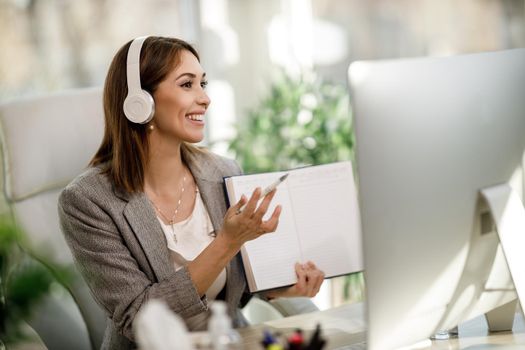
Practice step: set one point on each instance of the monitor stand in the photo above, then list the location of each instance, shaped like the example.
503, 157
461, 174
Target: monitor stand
508, 214
502, 318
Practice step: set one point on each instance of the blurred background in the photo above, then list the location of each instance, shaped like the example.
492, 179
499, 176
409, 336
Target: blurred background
277, 68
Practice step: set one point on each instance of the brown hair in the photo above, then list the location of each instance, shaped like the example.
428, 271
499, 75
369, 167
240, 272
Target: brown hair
124, 148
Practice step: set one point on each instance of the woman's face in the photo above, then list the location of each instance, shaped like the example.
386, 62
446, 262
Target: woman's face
181, 102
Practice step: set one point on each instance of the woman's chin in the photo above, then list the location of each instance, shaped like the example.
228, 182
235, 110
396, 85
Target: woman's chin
194, 138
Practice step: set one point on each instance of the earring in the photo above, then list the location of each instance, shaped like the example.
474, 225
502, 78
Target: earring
151, 127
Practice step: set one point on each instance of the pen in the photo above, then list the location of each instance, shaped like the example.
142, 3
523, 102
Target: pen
268, 189
274, 185
316, 341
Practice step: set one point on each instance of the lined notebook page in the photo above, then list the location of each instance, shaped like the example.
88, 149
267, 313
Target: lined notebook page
272, 256
327, 217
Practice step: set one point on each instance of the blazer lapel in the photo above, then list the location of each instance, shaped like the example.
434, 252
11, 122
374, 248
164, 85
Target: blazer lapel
210, 183
147, 229
213, 197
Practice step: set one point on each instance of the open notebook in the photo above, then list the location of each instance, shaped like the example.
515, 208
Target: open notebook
319, 222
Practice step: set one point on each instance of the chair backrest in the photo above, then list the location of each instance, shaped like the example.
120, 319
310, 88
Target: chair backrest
259, 311
47, 141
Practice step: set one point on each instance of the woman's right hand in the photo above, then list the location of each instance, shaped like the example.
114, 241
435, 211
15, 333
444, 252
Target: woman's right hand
242, 226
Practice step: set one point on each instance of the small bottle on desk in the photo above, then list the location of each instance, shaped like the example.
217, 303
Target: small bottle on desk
222, 334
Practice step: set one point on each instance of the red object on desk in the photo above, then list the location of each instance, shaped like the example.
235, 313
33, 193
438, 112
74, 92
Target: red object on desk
296, 340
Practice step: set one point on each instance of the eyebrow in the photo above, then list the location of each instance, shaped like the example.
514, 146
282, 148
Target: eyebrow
191, 75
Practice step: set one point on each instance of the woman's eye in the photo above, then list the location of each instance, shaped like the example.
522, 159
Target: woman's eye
187, 85
204, 84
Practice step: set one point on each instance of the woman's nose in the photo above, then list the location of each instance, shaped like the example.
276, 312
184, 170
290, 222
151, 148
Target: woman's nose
204, 99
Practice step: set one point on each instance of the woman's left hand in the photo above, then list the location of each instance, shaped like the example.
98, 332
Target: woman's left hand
309, 280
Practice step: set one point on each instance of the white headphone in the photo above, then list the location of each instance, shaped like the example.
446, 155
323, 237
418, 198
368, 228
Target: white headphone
139, 105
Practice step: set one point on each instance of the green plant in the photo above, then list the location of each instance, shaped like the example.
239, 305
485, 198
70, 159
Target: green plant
302, 121
23, 283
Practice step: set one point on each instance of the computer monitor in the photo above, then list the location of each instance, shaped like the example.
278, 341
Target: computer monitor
431, 134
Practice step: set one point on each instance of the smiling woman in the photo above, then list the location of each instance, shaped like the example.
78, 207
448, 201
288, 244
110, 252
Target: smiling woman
148, 219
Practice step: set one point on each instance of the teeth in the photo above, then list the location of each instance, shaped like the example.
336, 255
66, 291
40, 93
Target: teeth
197, 117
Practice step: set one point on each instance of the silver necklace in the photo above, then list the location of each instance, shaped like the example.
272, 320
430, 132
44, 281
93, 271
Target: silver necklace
171, 221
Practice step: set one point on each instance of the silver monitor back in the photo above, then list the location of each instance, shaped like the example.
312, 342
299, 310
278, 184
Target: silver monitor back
432, 132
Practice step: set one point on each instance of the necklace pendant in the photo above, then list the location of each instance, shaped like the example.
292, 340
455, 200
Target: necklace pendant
173, 232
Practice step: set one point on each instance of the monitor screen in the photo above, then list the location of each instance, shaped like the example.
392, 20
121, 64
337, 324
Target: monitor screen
431, 134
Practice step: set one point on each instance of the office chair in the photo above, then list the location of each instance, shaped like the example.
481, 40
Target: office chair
259, 311
47, 141
294, 306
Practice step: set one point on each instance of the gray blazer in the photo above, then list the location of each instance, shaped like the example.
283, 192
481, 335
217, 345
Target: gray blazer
121, 251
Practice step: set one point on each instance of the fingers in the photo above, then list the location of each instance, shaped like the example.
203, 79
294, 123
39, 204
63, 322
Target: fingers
245, 218
309, 279
235, 209
263, 208
300, 286
271, 224
315, 278
252, 203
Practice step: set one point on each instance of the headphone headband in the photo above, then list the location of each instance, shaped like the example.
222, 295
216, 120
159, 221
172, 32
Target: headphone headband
133, 65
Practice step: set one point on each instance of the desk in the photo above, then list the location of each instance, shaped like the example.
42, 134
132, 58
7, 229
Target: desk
345, 325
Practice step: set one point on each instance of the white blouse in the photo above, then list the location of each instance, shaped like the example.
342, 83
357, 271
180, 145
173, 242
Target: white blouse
186, 240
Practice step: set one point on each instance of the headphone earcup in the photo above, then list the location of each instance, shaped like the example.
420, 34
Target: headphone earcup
139, 108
